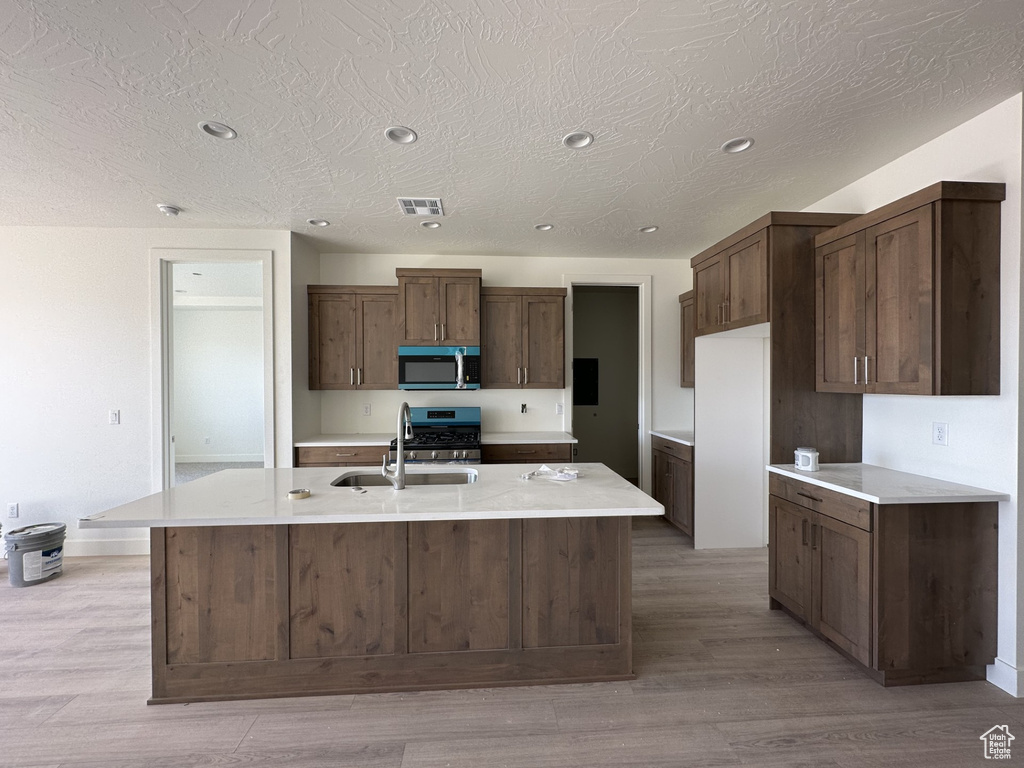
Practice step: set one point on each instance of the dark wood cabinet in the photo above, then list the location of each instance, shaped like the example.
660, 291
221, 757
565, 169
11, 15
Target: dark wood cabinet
908, 296
353, 340
906, 590
673, 481
525, 453
340, 455
523, 338
687, 320
439, 307
731, 285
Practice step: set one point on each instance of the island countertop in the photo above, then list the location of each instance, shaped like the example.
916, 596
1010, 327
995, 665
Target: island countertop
260, 497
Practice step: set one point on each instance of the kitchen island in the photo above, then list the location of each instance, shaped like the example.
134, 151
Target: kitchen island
502, 581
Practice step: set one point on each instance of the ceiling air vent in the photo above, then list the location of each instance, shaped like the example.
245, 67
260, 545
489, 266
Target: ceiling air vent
421, 206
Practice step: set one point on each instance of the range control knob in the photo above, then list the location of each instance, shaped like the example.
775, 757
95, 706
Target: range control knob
410, 455
457, 455
433, 454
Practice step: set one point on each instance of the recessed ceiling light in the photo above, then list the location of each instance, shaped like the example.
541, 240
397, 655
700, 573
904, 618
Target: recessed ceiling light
218, 130
648, 230
430, 224
400, 134
578, 139
318, 222
544, 227
740, 144
170, 210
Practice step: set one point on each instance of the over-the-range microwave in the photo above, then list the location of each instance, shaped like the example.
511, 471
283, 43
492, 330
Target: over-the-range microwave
439, 367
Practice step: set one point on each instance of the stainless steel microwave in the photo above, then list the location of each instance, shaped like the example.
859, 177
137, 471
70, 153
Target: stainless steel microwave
439, 367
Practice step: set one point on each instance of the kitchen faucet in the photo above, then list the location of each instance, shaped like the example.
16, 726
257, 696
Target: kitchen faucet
403, 430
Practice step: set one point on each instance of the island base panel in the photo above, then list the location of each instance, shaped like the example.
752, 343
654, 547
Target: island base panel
362, 608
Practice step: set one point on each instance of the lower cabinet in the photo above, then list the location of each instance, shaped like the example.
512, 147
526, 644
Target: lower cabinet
525, 453
906, 590
673, 481
340, 455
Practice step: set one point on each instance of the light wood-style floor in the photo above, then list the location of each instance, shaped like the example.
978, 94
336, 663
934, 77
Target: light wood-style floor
721, 681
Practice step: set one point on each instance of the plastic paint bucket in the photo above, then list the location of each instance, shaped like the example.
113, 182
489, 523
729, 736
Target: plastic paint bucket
35, 554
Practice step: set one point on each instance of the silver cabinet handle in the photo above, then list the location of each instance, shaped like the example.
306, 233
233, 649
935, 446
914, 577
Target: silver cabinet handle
435, 331
359, 376
519, 375
526, 376
351, 376
866, 379
443, 336
344, 454
856, 362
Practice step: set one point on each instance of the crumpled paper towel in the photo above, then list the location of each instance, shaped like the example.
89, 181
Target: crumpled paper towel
547, 473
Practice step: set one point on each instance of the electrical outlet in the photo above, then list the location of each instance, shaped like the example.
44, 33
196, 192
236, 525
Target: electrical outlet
366, 409
940, 433
114, 417
206, 440
12, 509
559, 409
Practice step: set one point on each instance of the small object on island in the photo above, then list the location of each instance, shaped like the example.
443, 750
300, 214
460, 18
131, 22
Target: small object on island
299, 493
806, 459
546, 472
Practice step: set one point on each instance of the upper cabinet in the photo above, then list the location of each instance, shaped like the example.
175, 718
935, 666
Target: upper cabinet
439, 307
731, 284
687, 319
523, 344
353, 340
907, 296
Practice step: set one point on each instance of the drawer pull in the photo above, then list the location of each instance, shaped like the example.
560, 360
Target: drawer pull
527, 452
344, 454
808, 496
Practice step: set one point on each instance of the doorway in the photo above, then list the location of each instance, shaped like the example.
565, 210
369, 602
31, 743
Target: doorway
215, 362
606, 365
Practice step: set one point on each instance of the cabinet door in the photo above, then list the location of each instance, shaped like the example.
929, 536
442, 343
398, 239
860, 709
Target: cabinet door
377, 342
682, 495
332, 341
709, 285
418, 297
899, 304
842, 577
747, 295
789, 556
687, 318
459, 302
840, 293
543, 332
661, 470
501, 342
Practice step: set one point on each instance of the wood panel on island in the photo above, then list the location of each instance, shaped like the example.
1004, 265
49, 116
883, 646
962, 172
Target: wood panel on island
523, 338
906, 590
672, 475
908, 295
353, 336
439, 307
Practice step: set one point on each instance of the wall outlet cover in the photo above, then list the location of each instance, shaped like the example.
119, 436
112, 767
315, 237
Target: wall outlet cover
12, 509
940, 433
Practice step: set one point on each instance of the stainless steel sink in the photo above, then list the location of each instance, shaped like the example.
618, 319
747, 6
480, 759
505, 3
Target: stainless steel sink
450, 476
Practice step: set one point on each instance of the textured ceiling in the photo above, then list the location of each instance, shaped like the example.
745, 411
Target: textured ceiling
100, 101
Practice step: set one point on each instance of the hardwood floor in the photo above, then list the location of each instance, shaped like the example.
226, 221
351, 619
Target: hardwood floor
721, 681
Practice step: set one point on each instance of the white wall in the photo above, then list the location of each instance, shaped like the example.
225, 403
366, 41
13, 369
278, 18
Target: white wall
218, 383
673, 405
305, 405
75, 342
984, 432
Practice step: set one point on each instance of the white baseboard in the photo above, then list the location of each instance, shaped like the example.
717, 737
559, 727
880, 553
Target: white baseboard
200, 458
1006, 676
105, 547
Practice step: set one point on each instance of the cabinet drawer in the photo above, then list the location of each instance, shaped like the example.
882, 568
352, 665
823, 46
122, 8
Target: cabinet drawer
340, 455
839, 506
527, 453
672, 448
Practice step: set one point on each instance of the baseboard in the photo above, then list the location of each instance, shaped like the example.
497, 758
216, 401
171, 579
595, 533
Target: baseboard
105, 547
217, 457
1006, 676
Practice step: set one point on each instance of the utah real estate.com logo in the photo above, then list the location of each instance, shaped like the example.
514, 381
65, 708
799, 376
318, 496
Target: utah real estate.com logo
997, 742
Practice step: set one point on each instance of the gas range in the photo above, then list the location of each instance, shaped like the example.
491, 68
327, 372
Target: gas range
441, 436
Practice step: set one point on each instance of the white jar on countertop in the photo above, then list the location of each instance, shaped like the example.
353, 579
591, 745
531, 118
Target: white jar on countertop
806, 459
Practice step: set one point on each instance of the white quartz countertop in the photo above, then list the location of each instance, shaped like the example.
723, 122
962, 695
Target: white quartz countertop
260, 497
684, 436
887, 486
384, 438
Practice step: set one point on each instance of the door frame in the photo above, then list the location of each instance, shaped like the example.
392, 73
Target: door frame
161, 262
645, 308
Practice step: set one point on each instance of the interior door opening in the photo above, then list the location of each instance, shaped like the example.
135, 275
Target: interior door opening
606, 377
